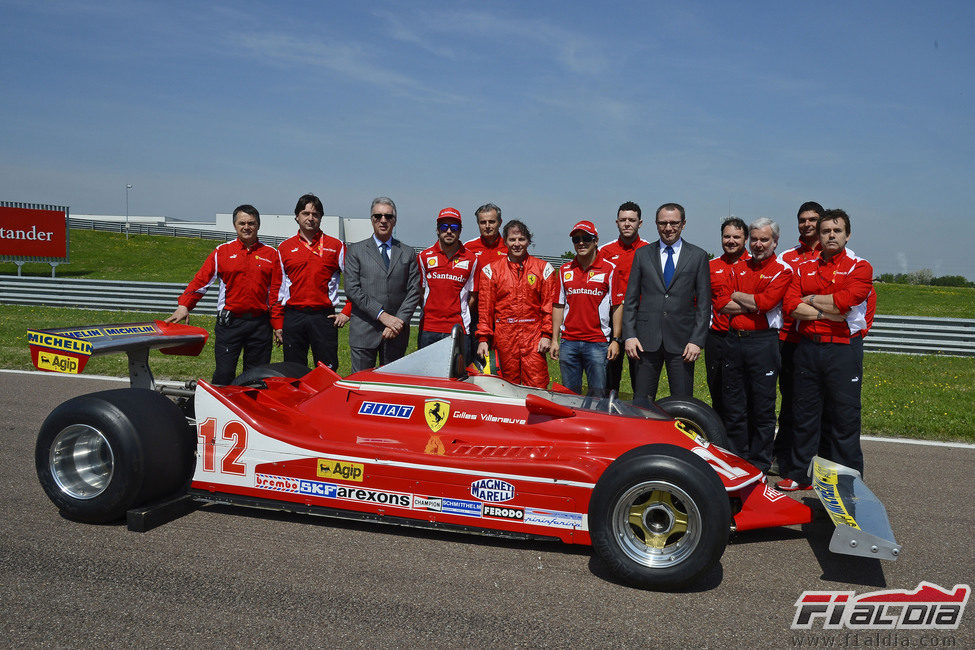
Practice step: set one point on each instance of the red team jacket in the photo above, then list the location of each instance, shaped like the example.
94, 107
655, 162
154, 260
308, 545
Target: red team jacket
484, 256
447, 285
587, 295
250, 280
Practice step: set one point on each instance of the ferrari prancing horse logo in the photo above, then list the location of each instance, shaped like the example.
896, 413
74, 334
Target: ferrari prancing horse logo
436, 412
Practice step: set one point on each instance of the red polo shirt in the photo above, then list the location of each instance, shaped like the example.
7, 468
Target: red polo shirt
848, 279
484, 255
621, 255
311, 271
250, 280
721, 289
767, 280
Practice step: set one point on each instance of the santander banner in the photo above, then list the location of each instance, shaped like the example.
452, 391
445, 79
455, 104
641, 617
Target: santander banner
26, 233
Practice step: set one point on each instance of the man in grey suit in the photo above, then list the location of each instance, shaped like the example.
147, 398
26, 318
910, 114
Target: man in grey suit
382, 282
666, 310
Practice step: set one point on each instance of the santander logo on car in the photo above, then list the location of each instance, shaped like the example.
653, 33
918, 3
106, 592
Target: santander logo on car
492, 489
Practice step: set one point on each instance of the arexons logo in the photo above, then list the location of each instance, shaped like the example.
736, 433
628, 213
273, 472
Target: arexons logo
928, 607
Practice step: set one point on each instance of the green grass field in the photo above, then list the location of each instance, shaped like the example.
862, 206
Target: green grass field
924, 397
156, 258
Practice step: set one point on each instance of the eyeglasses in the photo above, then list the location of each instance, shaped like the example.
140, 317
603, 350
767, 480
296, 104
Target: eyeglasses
387, 217
452, 227
580, 239
669, 224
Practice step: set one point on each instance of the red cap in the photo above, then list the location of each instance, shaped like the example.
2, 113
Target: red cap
449, 214
584, 226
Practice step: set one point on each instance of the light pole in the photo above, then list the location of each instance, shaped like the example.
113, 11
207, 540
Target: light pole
127, 188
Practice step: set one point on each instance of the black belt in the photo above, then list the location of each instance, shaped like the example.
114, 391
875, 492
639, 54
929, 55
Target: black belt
817, 338
744, 333
718, 332
247, 315
311, 310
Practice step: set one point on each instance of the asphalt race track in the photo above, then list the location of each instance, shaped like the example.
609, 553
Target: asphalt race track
223, 576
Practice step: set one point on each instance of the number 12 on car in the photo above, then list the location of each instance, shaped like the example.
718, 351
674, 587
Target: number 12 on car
233, 432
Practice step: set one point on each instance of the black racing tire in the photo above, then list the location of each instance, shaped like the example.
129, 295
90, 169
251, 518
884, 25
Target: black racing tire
659, 517
699, 418
257, 375
99, 455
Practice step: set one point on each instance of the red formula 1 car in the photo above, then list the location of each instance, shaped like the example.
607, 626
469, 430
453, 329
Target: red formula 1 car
421, 442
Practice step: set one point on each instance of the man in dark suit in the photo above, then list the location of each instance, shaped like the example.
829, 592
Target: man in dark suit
383, 284
667, 307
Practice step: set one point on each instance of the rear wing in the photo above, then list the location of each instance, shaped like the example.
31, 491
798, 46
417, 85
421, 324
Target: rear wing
862, 527
68, 349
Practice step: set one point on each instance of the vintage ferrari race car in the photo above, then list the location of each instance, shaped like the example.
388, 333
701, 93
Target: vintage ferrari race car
423, 442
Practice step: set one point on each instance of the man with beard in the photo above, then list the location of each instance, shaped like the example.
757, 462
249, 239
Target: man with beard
751, 354
733, 245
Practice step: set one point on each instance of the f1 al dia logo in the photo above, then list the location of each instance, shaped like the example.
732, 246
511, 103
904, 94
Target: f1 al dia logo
928, 607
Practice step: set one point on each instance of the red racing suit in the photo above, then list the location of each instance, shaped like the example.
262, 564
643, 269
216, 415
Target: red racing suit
515, 311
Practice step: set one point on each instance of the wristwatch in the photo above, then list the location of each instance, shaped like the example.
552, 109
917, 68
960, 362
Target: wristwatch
617, 339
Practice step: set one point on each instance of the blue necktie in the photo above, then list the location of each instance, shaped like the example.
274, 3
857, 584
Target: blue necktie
386, 255
669, 266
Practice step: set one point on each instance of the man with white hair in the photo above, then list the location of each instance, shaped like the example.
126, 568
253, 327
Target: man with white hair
751, 356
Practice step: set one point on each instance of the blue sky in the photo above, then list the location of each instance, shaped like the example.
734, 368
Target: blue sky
554, 110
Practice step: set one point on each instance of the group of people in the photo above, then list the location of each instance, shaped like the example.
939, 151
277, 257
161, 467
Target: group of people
795, 320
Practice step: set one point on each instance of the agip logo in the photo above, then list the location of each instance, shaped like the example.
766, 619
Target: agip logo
340, 470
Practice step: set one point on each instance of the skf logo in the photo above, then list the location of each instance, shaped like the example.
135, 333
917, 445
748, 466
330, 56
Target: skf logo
436, 412
337, 469
431, 262
57, 363
928, 607
567, 276
531, 278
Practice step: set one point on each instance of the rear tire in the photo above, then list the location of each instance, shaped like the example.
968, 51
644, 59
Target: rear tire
256, 376
659, 517
99, 455
699, 418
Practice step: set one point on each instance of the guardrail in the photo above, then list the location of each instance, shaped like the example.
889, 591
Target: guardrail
902, 334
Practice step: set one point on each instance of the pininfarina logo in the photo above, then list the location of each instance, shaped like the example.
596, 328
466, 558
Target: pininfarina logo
928, 607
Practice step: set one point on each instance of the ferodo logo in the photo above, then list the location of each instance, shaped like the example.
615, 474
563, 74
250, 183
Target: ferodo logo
337, 469
57, 363
492, 489
397, 499
503, 512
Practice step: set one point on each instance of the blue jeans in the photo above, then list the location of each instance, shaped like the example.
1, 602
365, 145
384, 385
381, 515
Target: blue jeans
578, 356
424, 338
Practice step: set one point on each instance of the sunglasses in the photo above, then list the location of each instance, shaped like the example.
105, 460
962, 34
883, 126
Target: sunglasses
580, 239
380, 217
452, 227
